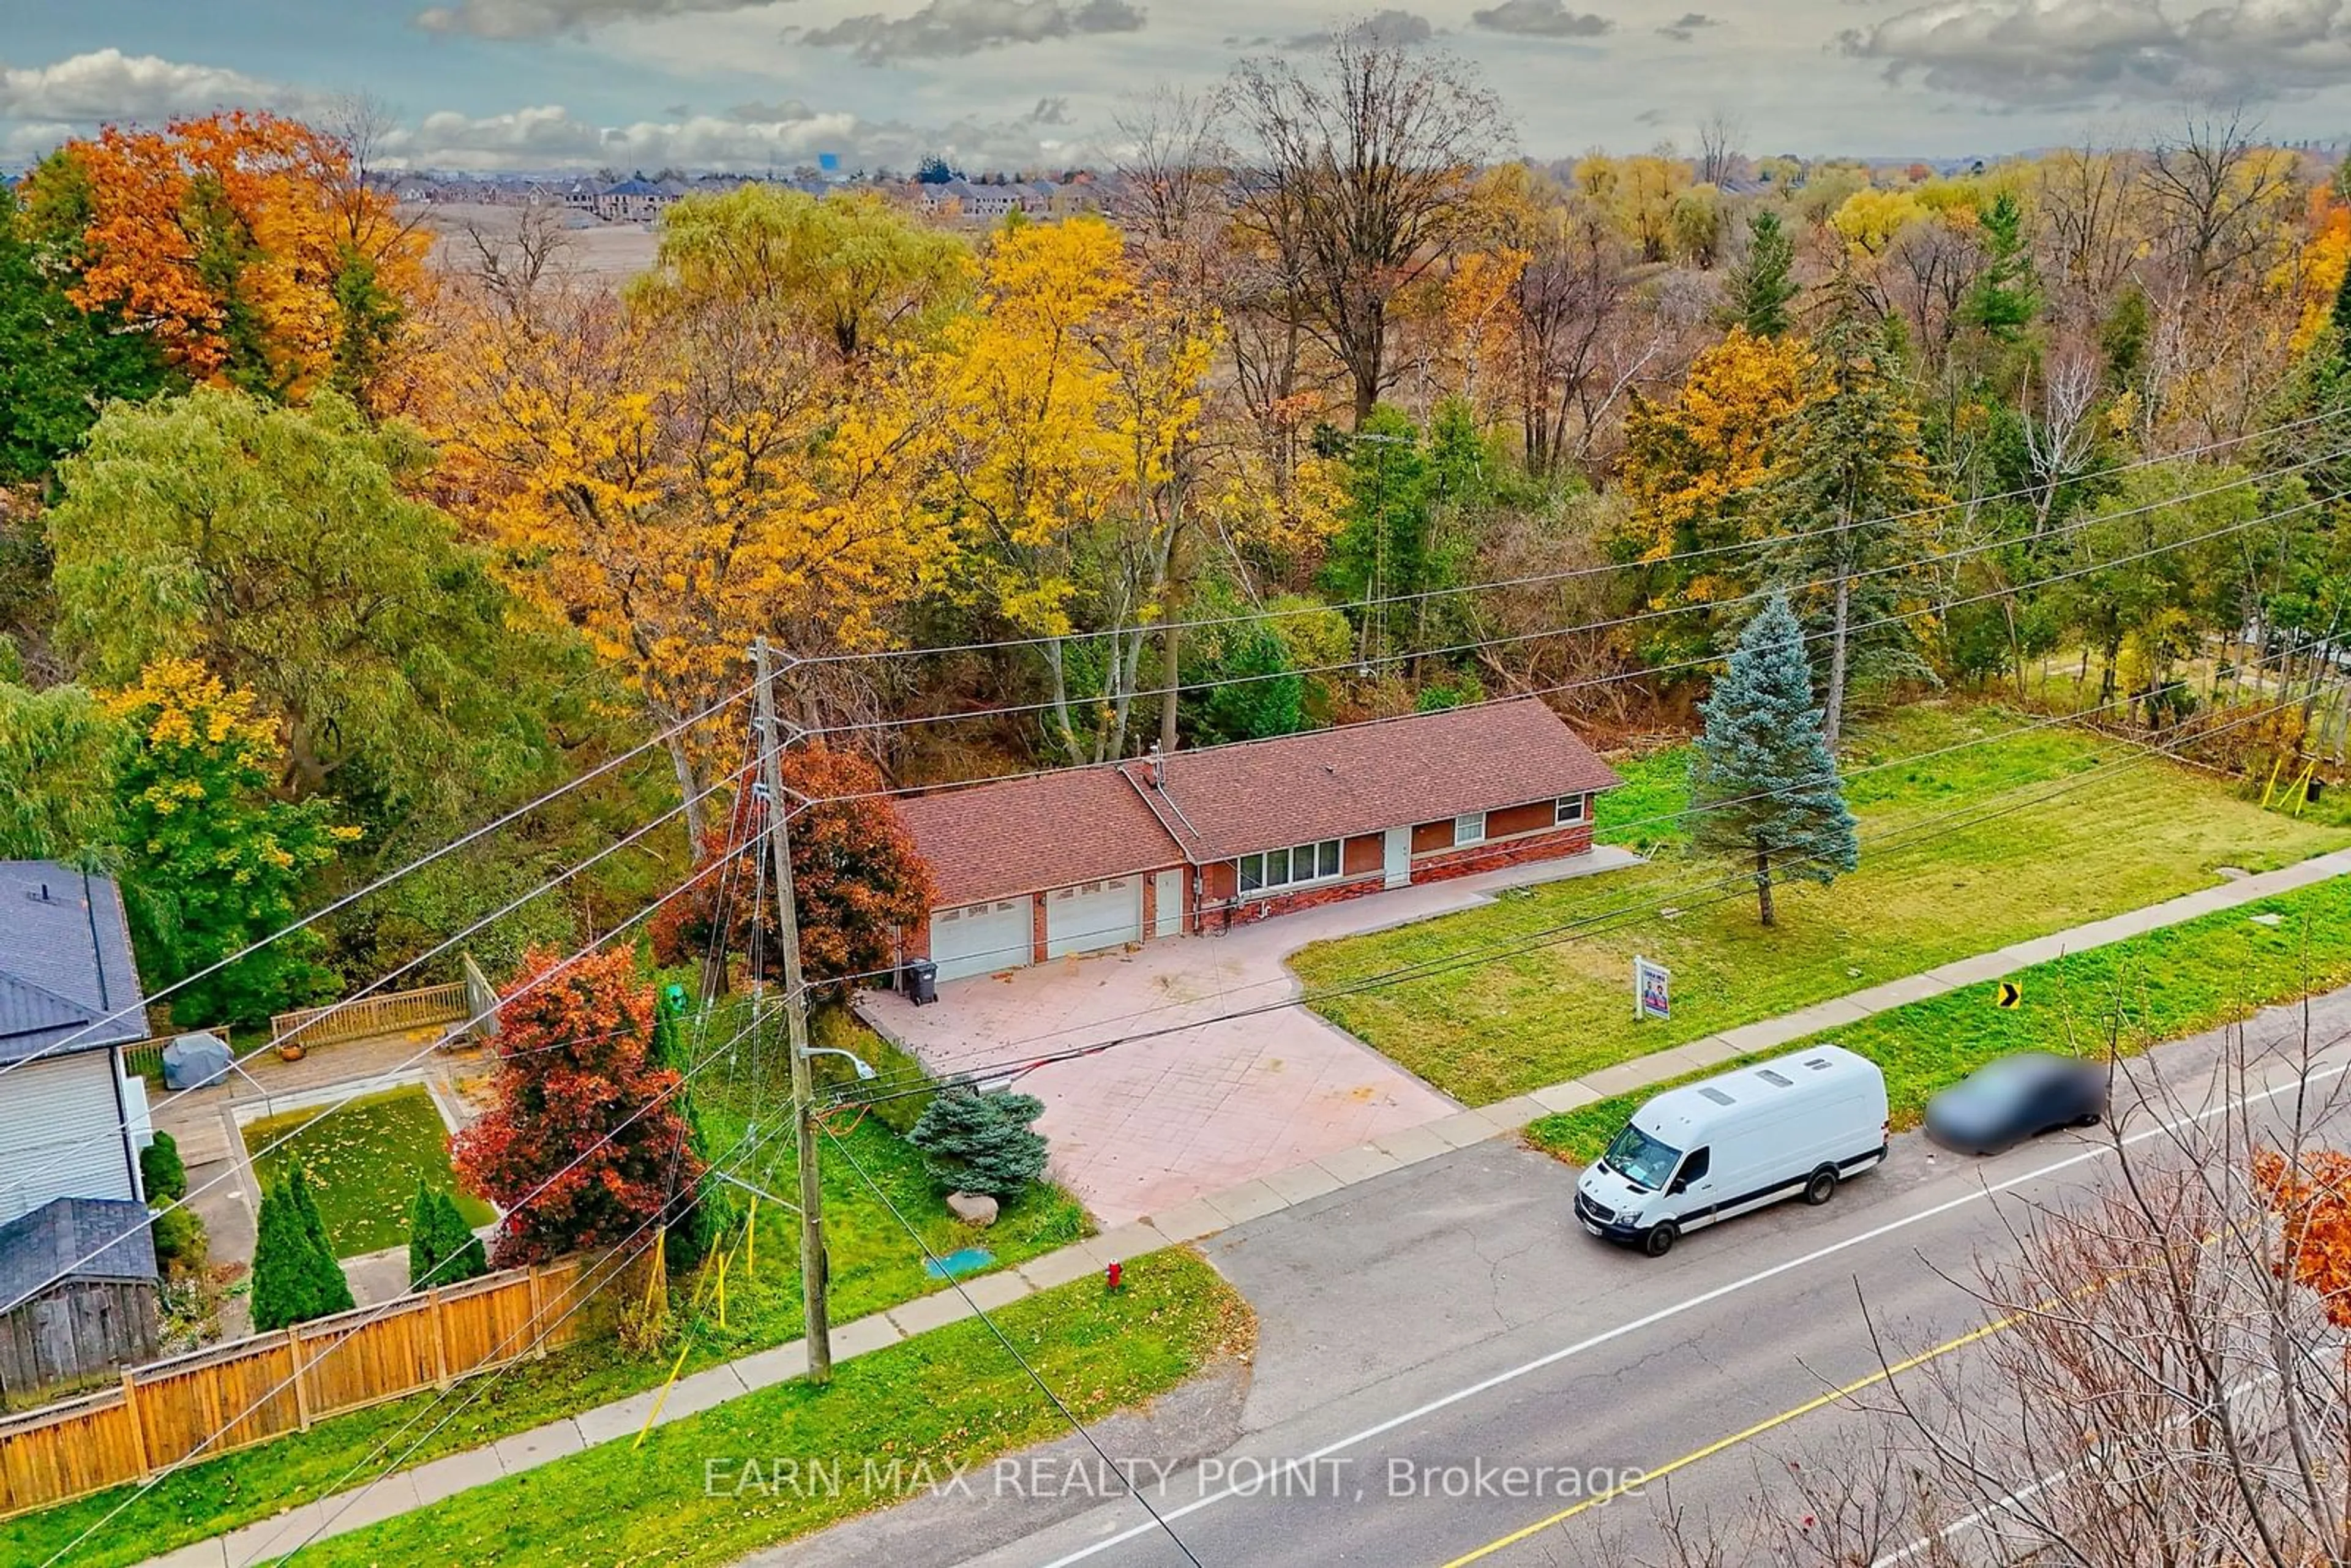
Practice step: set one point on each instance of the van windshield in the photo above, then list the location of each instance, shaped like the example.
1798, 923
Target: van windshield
1640, 1158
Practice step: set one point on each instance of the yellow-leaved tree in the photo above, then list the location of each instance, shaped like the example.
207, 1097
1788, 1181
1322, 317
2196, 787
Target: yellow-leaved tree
728, 452
1068, 412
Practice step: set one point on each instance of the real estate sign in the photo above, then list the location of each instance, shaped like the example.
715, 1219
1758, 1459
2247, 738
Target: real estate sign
1652, 990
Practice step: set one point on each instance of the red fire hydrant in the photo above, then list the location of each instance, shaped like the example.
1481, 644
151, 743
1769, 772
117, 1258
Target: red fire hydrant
1116, 1275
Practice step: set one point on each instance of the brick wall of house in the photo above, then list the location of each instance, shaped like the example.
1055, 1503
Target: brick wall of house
1533, 817
1466, 861
1494, 855
1036, 929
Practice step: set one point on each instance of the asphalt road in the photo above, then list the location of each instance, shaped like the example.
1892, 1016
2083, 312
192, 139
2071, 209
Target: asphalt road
1446, 1362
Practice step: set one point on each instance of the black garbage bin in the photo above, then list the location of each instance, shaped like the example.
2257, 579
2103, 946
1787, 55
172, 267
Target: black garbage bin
922, 982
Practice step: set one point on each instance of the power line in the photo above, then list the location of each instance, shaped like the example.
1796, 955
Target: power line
1732, 885
379, 883
469, 1023
367, 1085
931, 1259
743, 1150
1589, 682
1362, 664
1566, 574
328, 1347
1842, 775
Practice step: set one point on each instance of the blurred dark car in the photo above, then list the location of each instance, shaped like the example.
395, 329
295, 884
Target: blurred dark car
2016, 1098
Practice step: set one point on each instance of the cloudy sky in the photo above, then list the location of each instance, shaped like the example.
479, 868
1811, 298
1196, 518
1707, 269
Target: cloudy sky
572, 84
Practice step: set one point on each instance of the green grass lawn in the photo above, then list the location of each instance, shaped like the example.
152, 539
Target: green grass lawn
704, 1490
873, 1267
1483, 1031
2165, 984
364, 1162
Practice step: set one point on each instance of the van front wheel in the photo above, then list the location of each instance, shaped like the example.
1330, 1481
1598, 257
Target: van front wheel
1660, 1239
1822, 1187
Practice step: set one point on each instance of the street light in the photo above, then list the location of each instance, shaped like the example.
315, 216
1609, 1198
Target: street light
865, 1074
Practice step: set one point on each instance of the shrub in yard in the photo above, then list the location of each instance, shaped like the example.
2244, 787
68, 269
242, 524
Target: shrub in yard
981, 1143
295, 1275
442, 1248
584, 1144
181, 1245
162, 1172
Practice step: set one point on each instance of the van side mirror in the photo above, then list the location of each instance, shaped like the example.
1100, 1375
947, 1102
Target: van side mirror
1676, 1187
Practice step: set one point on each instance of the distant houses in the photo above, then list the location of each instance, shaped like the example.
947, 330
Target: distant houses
643, 199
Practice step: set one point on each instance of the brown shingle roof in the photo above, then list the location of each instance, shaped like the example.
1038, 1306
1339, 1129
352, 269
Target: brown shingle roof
1363, 777
1026, 835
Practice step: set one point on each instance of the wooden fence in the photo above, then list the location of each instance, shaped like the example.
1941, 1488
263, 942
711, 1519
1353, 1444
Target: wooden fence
363, 1018
252, 1390
144, 1058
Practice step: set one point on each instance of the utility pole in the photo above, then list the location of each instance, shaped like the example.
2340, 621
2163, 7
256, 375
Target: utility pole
815, 1311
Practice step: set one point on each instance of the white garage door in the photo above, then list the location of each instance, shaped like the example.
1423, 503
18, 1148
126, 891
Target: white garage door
1094, 915
980, 938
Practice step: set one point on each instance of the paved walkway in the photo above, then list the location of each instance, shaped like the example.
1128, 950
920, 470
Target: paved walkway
1194, 1220
1163, 1120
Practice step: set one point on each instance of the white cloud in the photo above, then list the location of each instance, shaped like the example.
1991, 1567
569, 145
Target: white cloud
950, 29
1391, 26
1541, 19
549, 137
2077, 51
545, 18
109, 85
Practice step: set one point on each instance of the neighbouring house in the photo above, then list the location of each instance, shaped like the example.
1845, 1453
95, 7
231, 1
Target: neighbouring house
638, 201
77, 1278
1027, 870
72, 1118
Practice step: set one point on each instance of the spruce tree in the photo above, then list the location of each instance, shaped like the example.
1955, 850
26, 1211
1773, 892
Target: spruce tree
695, 1214
981, 1143
1762, 285
1262, 696
1763, 782
2004, 299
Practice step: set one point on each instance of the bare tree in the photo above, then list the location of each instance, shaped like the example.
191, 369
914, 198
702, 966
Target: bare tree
1360, 172
1718, 157
2060, 437
2216, 187
2083, 209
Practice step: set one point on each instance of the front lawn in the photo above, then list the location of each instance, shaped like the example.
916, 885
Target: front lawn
2166, 984
711, 1487
873, 1267
1552, 999
364, 1162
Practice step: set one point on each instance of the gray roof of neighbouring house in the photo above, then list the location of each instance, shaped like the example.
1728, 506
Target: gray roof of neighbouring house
74, 1238
65, 962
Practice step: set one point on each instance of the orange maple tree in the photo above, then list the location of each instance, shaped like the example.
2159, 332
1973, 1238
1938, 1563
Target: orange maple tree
2312, 1196
245, 243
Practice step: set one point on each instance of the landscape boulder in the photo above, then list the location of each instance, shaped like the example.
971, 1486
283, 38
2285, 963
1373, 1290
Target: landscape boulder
973, 1207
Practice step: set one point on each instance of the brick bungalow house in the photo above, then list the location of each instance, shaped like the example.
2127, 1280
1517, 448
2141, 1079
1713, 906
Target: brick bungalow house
1029, 869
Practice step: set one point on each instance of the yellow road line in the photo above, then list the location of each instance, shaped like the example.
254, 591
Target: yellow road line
1756, 1430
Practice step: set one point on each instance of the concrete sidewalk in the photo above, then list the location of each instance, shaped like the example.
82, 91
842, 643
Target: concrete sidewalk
1192, 1222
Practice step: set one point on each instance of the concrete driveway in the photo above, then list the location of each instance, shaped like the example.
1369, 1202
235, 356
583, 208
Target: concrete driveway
1202, 1105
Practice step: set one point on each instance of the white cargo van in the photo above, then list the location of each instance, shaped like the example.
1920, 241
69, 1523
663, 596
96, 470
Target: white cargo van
1733, 1144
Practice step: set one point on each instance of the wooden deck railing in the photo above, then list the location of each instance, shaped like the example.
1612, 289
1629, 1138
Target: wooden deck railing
363, 1018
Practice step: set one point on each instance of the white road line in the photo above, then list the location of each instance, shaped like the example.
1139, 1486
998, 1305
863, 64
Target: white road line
1662, 1314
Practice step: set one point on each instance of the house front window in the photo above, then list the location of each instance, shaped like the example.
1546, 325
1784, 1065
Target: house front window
1274, 868
1572, 809
1469, 829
